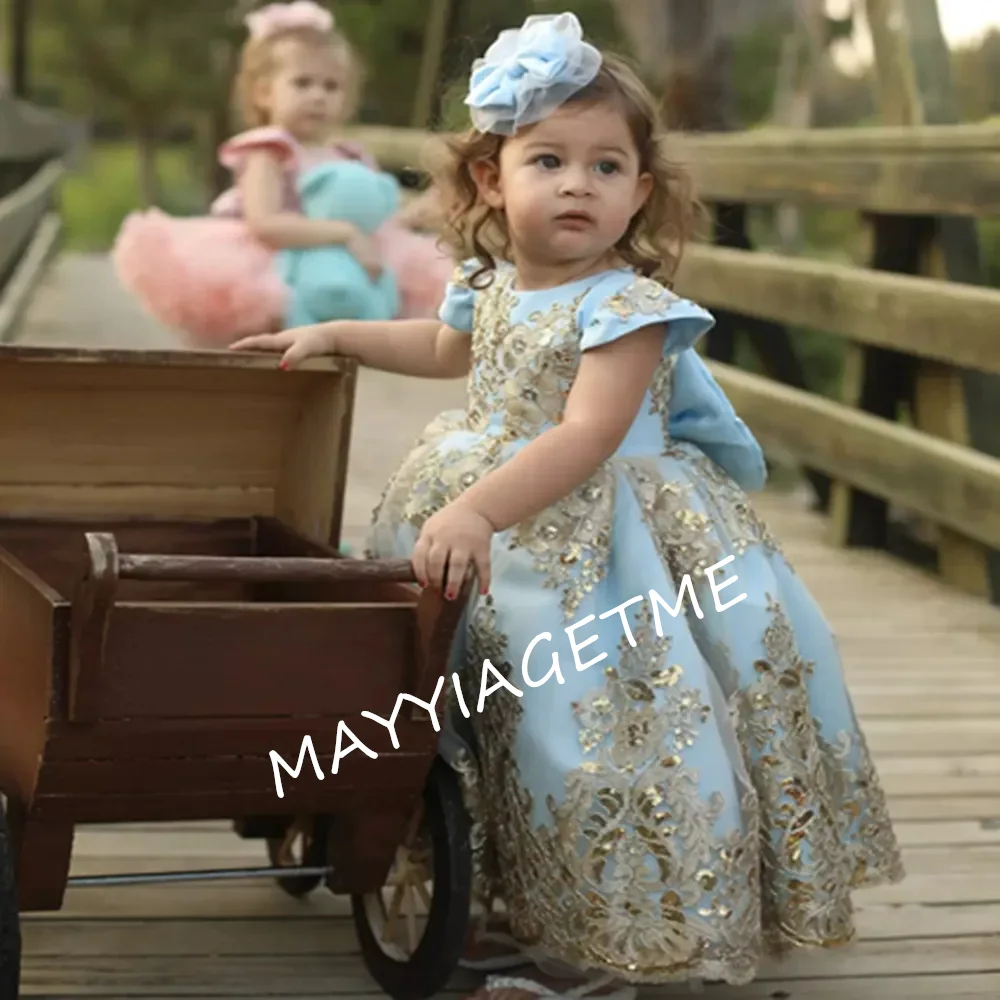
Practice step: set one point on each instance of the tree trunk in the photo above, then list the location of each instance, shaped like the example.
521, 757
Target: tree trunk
218, 129
439, 19
802, 63
19, 26
646, 24
217, 123
146, 148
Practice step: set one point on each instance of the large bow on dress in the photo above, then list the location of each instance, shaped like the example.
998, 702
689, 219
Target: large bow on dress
528, 72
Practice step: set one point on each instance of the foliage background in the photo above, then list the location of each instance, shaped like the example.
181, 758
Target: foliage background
152, 79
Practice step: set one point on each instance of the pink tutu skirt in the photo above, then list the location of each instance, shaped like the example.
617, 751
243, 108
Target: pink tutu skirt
422, 271
207, 277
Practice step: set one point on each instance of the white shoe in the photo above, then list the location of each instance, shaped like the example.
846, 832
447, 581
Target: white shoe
584, 990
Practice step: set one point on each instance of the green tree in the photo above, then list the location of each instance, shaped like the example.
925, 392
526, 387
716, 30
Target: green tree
390, 38
148, 65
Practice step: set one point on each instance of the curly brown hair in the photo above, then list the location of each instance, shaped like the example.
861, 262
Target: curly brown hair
655, 238
259, 59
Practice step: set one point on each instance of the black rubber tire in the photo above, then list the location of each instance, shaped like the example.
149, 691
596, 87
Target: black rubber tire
10, 918
315, 856
437, 955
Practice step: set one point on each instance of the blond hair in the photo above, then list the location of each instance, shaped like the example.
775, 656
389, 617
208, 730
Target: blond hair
655, 237
258, 61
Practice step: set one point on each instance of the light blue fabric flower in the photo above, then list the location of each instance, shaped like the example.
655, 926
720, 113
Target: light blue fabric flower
527, 73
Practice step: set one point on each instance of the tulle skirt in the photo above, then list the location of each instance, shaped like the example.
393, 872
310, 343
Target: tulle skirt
207, 277
211, 280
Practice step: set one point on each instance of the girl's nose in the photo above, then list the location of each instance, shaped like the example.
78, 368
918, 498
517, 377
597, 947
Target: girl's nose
576, 181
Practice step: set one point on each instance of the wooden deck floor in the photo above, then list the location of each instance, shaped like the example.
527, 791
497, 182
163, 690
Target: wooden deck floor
924, 668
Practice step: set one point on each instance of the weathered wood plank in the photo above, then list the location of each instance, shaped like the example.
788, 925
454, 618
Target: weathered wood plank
936, 890
944, 321
23, 209
14, 298
949, 483
334, 936
892, 987
225, 975
29, 133
944, 169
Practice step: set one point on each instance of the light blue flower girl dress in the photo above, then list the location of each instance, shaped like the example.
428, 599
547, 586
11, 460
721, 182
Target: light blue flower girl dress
692, 789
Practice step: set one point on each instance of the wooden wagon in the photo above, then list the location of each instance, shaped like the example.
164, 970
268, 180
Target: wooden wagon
174, 607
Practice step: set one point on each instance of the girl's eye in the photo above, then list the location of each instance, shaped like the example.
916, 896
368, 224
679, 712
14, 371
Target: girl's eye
302, 82
608, 167
332, 86
547, 161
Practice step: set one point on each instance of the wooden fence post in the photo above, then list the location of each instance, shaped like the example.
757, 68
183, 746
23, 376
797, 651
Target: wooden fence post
915, 245
18, 23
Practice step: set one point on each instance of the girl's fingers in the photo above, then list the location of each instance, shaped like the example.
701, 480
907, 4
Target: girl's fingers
437, 557
458, 563
263, 342
418, 560
295, 355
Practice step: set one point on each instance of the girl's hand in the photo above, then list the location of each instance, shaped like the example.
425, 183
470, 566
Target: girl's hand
452, 539
297, 344
364, 249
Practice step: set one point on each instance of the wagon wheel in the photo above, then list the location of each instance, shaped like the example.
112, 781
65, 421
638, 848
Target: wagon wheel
302, 846
10, 921
412, 932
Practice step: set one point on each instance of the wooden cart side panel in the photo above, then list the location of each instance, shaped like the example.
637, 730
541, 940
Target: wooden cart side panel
244, 660
310, 491
29, 629
314, 799
152, 739
390, 772
171, 440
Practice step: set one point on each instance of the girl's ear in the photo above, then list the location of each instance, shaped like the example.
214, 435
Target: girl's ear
643, 189
486, 176
262, 95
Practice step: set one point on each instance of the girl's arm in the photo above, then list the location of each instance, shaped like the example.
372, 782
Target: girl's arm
609, 388
424, 348
261, 187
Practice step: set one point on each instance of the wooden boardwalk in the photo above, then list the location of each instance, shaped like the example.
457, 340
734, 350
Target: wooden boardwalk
923, 665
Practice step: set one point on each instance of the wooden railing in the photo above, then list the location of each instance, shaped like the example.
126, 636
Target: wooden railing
910, 339
33, 149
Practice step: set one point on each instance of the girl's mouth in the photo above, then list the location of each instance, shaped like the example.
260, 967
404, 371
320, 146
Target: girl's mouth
575, 218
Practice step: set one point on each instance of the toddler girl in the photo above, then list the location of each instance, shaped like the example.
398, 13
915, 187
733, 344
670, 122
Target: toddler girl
658, 795
214, 278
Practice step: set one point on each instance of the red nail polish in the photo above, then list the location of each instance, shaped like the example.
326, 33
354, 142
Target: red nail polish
450, 595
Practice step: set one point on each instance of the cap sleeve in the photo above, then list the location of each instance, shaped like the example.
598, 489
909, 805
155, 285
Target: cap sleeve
233, 153
624, 303
459, 298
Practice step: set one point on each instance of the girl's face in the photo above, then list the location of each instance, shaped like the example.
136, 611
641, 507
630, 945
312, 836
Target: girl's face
568, 186
306, 94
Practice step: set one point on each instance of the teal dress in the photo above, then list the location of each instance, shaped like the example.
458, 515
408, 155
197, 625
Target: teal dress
691, 790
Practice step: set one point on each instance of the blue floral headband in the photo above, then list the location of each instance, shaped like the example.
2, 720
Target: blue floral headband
528, 72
